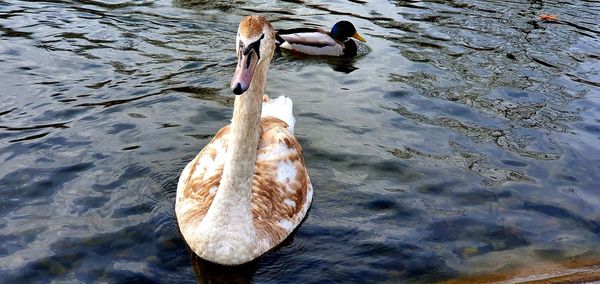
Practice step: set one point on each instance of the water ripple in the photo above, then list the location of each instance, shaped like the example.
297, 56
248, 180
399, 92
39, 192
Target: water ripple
461, 140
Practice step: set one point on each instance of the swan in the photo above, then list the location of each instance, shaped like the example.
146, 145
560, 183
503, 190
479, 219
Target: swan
249, 188
309, 41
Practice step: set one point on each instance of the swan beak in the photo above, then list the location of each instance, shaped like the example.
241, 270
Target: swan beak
359, 37
243, 73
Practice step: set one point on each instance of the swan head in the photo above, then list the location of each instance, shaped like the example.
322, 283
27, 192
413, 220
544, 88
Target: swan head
255, 45
344, 30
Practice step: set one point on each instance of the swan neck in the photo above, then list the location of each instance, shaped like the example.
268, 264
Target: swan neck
232, 201
243, 141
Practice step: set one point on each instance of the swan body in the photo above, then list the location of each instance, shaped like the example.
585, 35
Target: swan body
309, 41
248, 189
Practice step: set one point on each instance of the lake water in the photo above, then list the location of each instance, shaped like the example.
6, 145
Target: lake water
464, 140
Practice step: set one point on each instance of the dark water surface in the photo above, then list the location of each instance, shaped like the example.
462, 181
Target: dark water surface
465, 139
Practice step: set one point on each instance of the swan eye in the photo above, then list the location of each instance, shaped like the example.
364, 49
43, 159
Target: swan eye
240, 47
248, 60
254, 46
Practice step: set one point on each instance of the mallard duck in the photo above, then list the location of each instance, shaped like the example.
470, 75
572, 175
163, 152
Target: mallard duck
338, 42
248, 189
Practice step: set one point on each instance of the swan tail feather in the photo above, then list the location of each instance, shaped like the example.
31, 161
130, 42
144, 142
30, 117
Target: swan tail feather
281, 108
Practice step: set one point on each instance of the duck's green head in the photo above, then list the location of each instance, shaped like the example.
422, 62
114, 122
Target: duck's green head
344, 30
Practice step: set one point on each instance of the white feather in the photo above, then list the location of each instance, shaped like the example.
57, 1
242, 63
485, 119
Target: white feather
289, 202
276, 152
280, 107
286, 224
286, 172
286, 45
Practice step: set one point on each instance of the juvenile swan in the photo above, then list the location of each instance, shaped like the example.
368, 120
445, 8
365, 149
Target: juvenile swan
248, 189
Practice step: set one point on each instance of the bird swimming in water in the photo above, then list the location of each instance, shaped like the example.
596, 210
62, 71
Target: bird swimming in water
311, 41
248, 189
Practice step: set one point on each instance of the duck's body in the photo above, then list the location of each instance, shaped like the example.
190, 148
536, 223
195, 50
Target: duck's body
309, 41
248, 189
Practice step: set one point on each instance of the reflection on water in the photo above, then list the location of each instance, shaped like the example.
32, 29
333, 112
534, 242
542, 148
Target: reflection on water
339, 64
463, 141
344, 65
208, 272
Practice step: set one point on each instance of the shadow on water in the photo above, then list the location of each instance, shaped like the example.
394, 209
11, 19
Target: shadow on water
343, 65
208, 272
338, 64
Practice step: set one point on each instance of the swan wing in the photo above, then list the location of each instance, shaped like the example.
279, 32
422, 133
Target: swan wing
200, 180
281, 190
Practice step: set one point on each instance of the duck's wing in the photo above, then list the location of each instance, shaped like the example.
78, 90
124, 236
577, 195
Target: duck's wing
309, 41
282, 35
281, 189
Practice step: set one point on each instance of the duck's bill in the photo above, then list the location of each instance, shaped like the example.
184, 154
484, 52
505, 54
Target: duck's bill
359, 37
243, 73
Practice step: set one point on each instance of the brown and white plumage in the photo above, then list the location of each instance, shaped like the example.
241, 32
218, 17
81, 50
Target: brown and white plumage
248, 189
